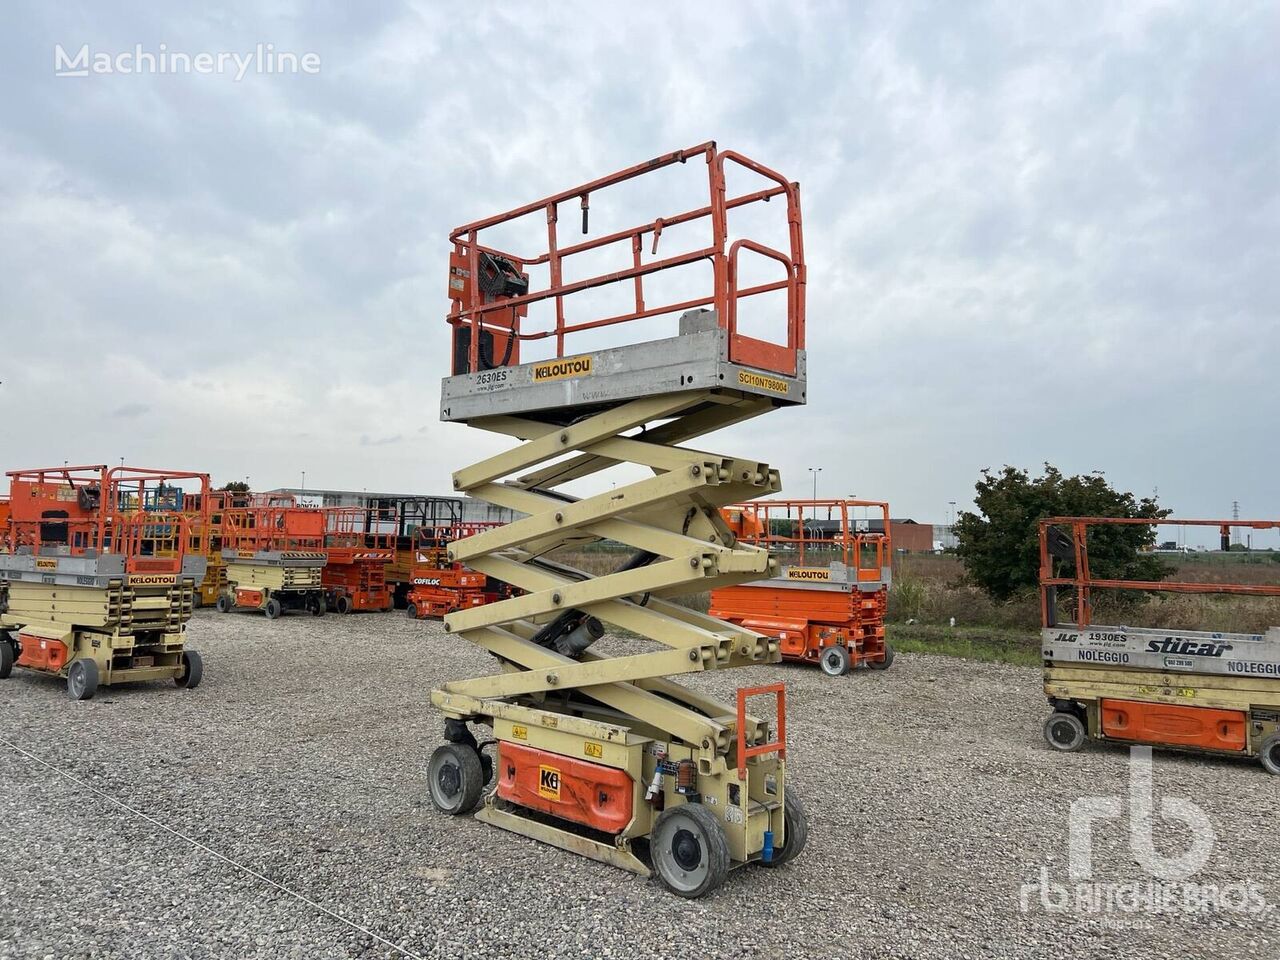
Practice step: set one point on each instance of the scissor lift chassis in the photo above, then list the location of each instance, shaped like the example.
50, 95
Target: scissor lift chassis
620, 713
1197, 691
274, 581
88, 621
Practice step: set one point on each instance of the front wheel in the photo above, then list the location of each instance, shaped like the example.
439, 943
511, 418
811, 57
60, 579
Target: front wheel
192, 670
835, 661
795, 824
223, 604
882, 664
1064, 731
343, 604
411, 611
82, 679
273, 609
6, 658
1269, 754
455, 778
690, 850
318, 607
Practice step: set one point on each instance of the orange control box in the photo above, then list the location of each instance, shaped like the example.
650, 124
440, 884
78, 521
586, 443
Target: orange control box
41, 654
1173, 725
248, 598
577, 790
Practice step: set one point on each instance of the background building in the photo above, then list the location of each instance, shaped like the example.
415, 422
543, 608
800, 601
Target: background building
470, 510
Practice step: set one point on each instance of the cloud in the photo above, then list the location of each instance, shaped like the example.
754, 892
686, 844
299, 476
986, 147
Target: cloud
1034, 232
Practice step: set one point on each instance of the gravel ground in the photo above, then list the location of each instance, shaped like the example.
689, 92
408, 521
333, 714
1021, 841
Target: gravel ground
931, 794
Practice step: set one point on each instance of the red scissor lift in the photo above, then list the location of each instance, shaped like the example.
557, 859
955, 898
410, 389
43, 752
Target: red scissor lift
355, 571
441, 586
828, 602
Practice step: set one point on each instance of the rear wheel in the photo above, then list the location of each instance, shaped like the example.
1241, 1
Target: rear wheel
1269, 754
82, 679
690, 850
6, 657
1064, 731
455, 778
273, 609
192, 670
224, 603
882, 664
835, 661
343, 604
795, 821
411, 611
318, 607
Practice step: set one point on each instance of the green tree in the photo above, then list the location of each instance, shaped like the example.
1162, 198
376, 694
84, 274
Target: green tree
1000, 543
235, 486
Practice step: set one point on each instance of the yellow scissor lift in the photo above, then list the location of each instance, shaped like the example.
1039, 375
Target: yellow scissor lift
596, 751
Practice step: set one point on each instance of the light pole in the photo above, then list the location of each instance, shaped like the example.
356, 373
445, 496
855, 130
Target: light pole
815, 471
304, 481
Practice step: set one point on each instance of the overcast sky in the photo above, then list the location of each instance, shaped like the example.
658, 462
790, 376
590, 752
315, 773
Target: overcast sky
1034, 232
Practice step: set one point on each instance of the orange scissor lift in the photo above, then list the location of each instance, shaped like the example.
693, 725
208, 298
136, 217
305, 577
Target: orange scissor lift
204, 514
96, 581
402, 518
440, 585
827, 603
275, 555
355, 570
1202, 691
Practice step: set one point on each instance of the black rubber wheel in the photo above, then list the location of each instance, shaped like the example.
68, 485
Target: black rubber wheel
7, 657
197, 601
835, 661
318, 607
224, 603
1269, 754
192, 670
455, 778
885, 663
273, 609
343, 604
690, 850
82, 679
795, 821
1064, 731
411, 611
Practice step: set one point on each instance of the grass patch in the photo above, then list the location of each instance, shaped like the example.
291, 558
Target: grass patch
994, 645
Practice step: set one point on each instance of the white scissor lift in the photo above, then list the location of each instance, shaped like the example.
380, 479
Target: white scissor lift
597, 750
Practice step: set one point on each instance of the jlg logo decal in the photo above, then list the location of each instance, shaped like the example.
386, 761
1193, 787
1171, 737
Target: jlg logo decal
562, 369
46, 564
808, 573
549, 783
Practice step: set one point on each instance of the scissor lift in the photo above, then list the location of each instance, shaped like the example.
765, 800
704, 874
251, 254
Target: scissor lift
597, 751
96, 583
827, 604
441, 585
355, 570
1205, 692
274, 556
403, 518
